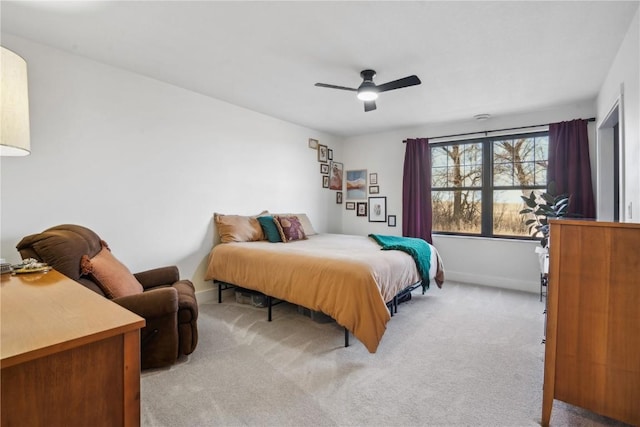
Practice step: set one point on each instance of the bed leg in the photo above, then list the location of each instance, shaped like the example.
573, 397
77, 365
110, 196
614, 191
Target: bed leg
219, 292
269, 308
346, 337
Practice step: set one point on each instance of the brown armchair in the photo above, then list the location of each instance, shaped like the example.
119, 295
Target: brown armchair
167, 303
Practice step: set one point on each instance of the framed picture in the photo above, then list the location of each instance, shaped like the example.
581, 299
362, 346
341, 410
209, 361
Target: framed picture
391, 220
351, 206
330, 154
374, 189
362, 209
324, 168
323, 153
325, 181
335, 180
357, 184
313, 143
378, 209
373, 178
339, 197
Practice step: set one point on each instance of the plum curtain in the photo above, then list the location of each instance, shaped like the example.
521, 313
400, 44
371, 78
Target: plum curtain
416, 190
569, 165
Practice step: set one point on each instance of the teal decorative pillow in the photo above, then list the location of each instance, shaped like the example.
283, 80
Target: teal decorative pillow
290, 228
270, 229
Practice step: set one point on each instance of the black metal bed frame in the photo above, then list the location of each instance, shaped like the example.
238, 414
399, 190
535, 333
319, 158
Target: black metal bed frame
392, 305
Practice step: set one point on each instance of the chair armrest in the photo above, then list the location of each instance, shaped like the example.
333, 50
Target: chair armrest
163, 276
153, 303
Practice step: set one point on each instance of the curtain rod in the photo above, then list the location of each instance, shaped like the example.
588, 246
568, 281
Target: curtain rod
486, 132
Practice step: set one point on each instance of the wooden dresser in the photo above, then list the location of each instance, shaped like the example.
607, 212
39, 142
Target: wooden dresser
592, 353
69, 356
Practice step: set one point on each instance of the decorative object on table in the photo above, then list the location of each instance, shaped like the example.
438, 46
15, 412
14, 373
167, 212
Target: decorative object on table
323, 153
540, 208
374, 189
373, 178
339, 197
30, 265
362, 209
325, 181
324, 168
330, 154
391, 220
357, 184
378, 209
350, 206
335, 181
313, 143
5, 267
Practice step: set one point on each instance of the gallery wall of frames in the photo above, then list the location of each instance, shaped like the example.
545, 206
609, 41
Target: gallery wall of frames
357, 189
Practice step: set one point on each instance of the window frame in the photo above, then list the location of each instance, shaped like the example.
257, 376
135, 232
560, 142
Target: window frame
487, 188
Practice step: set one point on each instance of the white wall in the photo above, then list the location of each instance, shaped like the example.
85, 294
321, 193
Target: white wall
624, 78
493, 262
145, 164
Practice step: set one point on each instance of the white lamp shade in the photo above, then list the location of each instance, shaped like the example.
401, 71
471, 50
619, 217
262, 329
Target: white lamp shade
14, 139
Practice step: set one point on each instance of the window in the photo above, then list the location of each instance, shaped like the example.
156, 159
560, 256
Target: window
476, 184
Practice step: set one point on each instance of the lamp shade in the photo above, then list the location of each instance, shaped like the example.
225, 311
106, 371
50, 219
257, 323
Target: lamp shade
14, 97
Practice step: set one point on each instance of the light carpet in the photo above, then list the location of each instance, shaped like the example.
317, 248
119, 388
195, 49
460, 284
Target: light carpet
462, 355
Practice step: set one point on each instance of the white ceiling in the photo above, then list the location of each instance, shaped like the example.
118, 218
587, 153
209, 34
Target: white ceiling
472, 57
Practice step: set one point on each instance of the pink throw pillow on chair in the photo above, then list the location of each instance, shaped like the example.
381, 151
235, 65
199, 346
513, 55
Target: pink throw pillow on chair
113, 277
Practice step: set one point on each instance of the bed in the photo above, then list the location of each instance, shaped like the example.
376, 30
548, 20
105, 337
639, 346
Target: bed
346, 277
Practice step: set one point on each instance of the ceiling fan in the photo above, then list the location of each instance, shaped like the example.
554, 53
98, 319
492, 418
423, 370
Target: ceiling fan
368, 91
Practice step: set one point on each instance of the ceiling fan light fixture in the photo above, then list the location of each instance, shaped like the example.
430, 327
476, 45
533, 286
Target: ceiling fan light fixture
368, 91
367, 94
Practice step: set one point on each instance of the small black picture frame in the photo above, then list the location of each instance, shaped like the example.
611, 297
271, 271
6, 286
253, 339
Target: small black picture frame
324, 168
325, 181
350, 206
362, 209
322, 153
391, 220
378, 209
339, 197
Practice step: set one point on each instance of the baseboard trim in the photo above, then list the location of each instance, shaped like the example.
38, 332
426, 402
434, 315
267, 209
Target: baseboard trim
493, 281
207, 295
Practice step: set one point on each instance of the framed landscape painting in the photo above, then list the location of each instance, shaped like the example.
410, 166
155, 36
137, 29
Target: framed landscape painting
357, 184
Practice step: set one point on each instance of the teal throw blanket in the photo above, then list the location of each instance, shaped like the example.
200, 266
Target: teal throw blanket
417, 248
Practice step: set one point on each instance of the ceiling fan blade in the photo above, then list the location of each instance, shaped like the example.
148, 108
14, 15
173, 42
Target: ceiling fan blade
369, 106
400, 83
335, 87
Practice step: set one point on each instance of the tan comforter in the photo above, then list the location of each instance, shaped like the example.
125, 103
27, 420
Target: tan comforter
346, 277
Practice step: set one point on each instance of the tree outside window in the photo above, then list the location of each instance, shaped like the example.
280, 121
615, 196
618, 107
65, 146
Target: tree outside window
477, 184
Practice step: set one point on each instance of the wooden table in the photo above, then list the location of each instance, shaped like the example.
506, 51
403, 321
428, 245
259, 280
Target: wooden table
68, 355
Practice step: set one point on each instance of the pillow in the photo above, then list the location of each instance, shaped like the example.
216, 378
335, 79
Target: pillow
304, 221
238, 228
290, 228
270, 228
113, 277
